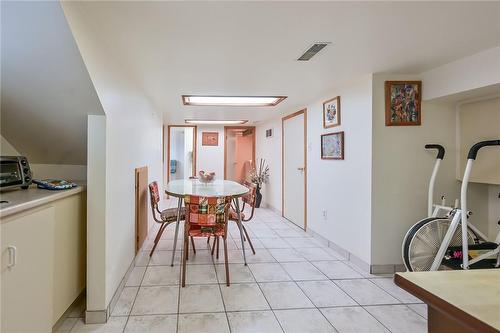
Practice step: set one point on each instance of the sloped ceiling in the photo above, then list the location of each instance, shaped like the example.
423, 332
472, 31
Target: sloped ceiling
250, 47
46, 90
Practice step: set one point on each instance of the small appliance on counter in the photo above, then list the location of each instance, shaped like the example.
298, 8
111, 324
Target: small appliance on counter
14, 172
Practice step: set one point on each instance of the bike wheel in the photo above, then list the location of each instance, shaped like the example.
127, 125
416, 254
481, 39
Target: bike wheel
423, 240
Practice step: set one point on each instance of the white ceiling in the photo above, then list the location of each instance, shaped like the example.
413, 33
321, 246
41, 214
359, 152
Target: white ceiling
249, 48
46, 90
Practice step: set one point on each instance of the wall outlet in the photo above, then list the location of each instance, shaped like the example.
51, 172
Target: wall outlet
325, 215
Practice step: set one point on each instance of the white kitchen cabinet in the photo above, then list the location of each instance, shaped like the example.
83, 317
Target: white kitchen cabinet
27, 286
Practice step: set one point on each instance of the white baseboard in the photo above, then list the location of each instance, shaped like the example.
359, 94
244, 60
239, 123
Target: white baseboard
270, 207
366, 267
101, 316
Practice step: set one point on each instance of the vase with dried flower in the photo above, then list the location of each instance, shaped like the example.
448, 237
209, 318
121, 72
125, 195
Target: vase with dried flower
259, 176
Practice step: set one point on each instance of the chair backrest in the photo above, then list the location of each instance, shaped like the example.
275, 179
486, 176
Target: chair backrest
154, 194
208, 214
249, 198
206, 210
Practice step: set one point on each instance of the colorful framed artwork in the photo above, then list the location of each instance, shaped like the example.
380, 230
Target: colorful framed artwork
403, 100
210, 138
331, 112
332, 146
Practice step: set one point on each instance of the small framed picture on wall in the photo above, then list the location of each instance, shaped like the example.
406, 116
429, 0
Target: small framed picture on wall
210, 138
332, 146
403, 101
331, 112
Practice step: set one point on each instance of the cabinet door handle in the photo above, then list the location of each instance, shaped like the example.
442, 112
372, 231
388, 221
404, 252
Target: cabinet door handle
12, 256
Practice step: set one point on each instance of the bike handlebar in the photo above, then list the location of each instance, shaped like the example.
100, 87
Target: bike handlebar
440, 149
475, 148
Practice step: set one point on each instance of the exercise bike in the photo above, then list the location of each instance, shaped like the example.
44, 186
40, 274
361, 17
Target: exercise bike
437, 241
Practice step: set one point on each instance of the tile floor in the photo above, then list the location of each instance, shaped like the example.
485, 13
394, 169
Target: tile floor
293, 284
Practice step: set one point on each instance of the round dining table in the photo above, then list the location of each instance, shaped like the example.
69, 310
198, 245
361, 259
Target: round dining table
217, 188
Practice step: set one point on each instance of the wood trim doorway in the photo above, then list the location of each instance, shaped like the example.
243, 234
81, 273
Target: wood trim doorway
304, 112
226, 128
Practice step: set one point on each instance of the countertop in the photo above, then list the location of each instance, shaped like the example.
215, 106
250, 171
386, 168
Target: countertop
20, 200
471, 297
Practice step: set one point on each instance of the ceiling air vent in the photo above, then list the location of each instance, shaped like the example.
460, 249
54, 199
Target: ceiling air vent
312, 51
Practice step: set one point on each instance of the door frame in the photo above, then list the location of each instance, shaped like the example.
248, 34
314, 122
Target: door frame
226, 128
304, 112
195, 137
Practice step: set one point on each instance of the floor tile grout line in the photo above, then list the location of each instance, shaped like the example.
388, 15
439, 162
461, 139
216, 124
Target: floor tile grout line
349, 297
267, 301
135, 297
362, 307
394, 296
296, 282
220, 288
408, 305
310, 300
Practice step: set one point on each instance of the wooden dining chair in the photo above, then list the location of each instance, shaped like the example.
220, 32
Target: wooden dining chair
163, 217
248, 199
205, 217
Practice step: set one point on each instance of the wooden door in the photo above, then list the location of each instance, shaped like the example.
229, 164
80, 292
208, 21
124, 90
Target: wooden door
294, 168
141, 206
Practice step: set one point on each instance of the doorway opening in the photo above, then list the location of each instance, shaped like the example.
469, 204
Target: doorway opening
181, 152
239, 152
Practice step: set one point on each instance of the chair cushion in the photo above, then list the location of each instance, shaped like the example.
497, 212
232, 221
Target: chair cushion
233, 216
170, 214
205, 231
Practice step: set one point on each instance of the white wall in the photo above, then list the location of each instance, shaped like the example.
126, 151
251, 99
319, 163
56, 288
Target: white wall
46, 90
96, 212
493, 211
372, 225
342, 188
44, 171
133, 139
210, 158
477, 121
6, 149
270, 150
126, 150
401, 170
59, 171
477, 71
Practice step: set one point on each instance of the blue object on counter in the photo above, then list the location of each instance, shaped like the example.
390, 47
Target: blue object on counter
54, 184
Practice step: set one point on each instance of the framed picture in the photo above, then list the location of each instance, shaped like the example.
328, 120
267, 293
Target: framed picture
332, 146
269, 133
331, 112
210, 138
402, 103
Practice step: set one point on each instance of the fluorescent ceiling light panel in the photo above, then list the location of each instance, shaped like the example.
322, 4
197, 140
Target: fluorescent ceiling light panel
215, 122
232, 100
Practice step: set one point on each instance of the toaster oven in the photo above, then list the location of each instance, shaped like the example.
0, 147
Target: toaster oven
14, 172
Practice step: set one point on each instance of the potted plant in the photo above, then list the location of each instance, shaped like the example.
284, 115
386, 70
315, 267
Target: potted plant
259, 176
